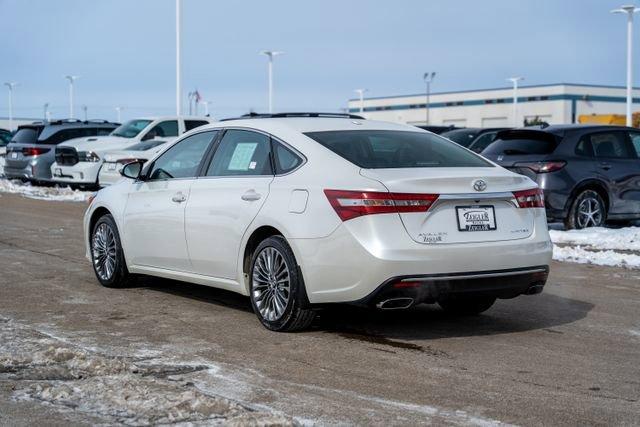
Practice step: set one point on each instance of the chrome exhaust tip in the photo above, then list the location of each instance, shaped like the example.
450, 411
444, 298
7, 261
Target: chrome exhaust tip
395, 304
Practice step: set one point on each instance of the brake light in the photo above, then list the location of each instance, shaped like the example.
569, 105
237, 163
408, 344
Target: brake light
352, 204
34, 151
533, 198
542, 167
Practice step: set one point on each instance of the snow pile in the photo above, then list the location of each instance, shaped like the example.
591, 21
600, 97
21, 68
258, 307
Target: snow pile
599, 246
59, 194
121, 390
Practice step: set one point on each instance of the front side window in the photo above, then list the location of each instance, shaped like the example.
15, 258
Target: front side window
163, 130
183, 159
378, 149
130, 129
463, 137
242, 153
611, 145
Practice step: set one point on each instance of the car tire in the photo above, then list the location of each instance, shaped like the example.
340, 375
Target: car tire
467, 305
587, 210
276, 287
107, 255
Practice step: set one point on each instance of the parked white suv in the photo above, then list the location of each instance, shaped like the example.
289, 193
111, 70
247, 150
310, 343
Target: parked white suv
296, 212
78, 160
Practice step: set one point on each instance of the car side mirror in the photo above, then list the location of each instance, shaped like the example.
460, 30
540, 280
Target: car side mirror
132, 170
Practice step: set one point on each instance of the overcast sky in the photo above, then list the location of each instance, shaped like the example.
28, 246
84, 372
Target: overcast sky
124, 50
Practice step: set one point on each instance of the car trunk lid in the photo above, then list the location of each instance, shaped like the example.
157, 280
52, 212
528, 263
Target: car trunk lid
473, 205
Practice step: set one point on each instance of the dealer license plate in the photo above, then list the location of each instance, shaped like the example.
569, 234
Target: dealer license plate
476, 218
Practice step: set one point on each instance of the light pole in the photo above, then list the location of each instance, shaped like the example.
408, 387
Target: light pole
629, 10
118, 110
178, 59
360, 93
428, 79
85, 108
515, 81
206, 107
271, 54
11, 85
46, 111
71, 80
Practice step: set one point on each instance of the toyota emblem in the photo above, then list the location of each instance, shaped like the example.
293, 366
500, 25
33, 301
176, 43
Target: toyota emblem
479, 185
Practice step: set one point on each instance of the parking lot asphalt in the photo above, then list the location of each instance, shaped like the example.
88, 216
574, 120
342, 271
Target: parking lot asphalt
570, 356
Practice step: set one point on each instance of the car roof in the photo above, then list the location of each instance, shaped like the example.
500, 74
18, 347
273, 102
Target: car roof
312, 124
70, 123
561, 129
152, 118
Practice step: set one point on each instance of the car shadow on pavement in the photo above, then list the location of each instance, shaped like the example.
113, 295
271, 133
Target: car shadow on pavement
540, 312
525, 313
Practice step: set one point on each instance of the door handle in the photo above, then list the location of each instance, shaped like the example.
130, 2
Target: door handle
251, 196
178, 198
605, 166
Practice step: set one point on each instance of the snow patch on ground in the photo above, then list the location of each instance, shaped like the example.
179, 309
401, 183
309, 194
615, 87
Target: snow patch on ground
599, 246
58, 194
121, 390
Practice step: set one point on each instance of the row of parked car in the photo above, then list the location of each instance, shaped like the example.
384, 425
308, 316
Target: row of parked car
589, 174
88, 154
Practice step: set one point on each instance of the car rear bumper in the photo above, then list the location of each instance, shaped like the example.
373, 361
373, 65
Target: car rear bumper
82, 173
353, 263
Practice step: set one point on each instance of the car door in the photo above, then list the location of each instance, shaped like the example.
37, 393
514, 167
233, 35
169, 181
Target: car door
224, 201
154, 213
617, 162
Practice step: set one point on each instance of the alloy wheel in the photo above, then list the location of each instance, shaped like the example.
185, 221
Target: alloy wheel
104, 250
589, 213
271, 285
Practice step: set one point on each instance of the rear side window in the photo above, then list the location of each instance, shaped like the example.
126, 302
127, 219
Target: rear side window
483, 141
584, 148
67, 134
635, 141
611, 145
104, 131
242, 153
378, 149
192, 124
26, 135
463, 137
522, 143
163, 130
285, 159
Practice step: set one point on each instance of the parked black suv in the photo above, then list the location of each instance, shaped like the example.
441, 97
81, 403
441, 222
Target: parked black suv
589, 174
31, 151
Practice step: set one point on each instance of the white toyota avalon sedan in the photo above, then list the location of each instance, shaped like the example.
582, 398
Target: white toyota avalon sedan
302, 210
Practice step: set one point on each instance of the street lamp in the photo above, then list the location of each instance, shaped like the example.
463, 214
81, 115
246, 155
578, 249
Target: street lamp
178, 59
206, 107
629, 10
271, 54
118, 110
71, 80
428, 79
360, 93
515, 81
11, 85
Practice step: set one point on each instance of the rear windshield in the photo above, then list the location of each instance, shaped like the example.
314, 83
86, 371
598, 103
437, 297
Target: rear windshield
463, 137
522, 143
378, 149
27, 135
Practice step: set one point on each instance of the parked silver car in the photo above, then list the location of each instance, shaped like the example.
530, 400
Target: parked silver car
31, 151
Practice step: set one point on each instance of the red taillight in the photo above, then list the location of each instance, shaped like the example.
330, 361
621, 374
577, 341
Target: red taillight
533, 198
34, 151
352, 204
542, 167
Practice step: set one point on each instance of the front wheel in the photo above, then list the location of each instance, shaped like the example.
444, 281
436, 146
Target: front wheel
107, 255
277, 288
587, 210
466, 305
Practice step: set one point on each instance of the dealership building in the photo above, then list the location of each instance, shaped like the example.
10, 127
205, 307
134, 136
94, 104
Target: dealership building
554, 103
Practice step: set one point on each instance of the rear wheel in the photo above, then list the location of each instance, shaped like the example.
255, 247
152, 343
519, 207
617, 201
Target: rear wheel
107, 255
277, 288
466, 305
587, 210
